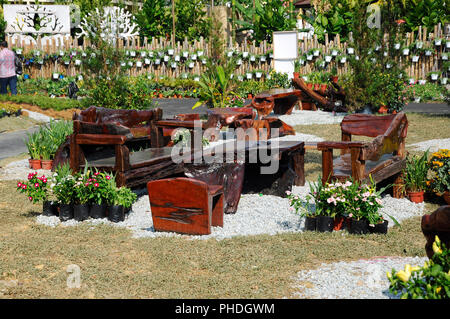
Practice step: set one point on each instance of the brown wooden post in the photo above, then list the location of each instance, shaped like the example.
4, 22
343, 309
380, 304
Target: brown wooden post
327, 165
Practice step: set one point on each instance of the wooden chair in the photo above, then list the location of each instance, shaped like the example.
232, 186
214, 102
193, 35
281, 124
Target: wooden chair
185, 205
380, 158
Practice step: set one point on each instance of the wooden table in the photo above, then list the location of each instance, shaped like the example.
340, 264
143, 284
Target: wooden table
280, 101
243, 173
219, 117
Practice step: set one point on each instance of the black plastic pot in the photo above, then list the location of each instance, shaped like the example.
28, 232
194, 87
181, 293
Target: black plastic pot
380, 228
81, 212
325, 223
359, 226
98, 211
50, 208
116, 213
65, 212
310, 223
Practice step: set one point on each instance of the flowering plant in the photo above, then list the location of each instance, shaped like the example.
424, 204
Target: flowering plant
35, 188
93, 187
63, 184
349, 199
432, 281
439, 164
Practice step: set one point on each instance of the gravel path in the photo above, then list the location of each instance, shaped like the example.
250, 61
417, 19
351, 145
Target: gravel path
433, 145
298, 117
362, 279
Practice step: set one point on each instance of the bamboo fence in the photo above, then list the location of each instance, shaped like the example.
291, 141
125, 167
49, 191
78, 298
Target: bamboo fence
254, 57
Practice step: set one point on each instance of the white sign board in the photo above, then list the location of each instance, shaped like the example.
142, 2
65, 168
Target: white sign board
285, 51
285, 45
37, 19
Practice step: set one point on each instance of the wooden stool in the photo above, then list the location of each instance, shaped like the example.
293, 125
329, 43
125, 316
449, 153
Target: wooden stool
185, 205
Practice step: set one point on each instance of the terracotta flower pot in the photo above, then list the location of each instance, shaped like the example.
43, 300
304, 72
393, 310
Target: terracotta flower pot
383, 109
309, 85
334, 79
296, 75
416, 197
35, 163
47, 164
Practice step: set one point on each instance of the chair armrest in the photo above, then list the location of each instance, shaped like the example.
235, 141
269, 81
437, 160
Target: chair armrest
100, 139
339, 145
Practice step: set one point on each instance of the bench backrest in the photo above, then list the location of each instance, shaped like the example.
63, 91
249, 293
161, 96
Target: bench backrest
389, 132
127, 118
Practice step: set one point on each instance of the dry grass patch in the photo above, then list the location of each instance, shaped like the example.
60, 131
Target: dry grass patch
114, 265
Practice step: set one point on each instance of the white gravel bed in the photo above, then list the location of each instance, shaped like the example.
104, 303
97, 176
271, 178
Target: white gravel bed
432, 145
300, 117
256, 214
362, 279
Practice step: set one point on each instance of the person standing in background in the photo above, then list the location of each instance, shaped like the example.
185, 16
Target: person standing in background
8, 75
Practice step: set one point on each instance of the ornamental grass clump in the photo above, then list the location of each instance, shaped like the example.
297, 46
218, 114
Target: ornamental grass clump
432, 281
439, 165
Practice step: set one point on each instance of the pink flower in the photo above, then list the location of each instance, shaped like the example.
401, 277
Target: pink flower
108, 178
379, 201
96, 185
30, 198
288, 193
24, 186
350, 215
36, 185
19, 184
96, 173
87, 184
30, 176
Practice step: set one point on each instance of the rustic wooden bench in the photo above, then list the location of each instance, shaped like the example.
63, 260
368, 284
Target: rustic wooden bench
126, 142
381, 158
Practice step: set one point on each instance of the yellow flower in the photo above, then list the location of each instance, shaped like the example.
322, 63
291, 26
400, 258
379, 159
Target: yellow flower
438, 289
436, 249
403, 276
408, 268
388, 274
416, 268
437, 240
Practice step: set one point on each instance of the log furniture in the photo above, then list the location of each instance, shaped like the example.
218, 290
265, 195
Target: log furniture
106, 139
244, 167
280, 101
380, 158
332, 98
185, 205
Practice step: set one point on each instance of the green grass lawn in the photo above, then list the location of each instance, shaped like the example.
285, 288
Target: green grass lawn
115, 265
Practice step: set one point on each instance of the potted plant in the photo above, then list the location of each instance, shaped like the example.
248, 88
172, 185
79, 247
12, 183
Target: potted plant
434, 75
120, 202
83, 192
62, 186
33, 144
103, 185
439, 181
415, 176
304, 209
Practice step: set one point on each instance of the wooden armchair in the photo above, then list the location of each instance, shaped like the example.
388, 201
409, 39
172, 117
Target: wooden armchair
104, 137
380, 158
